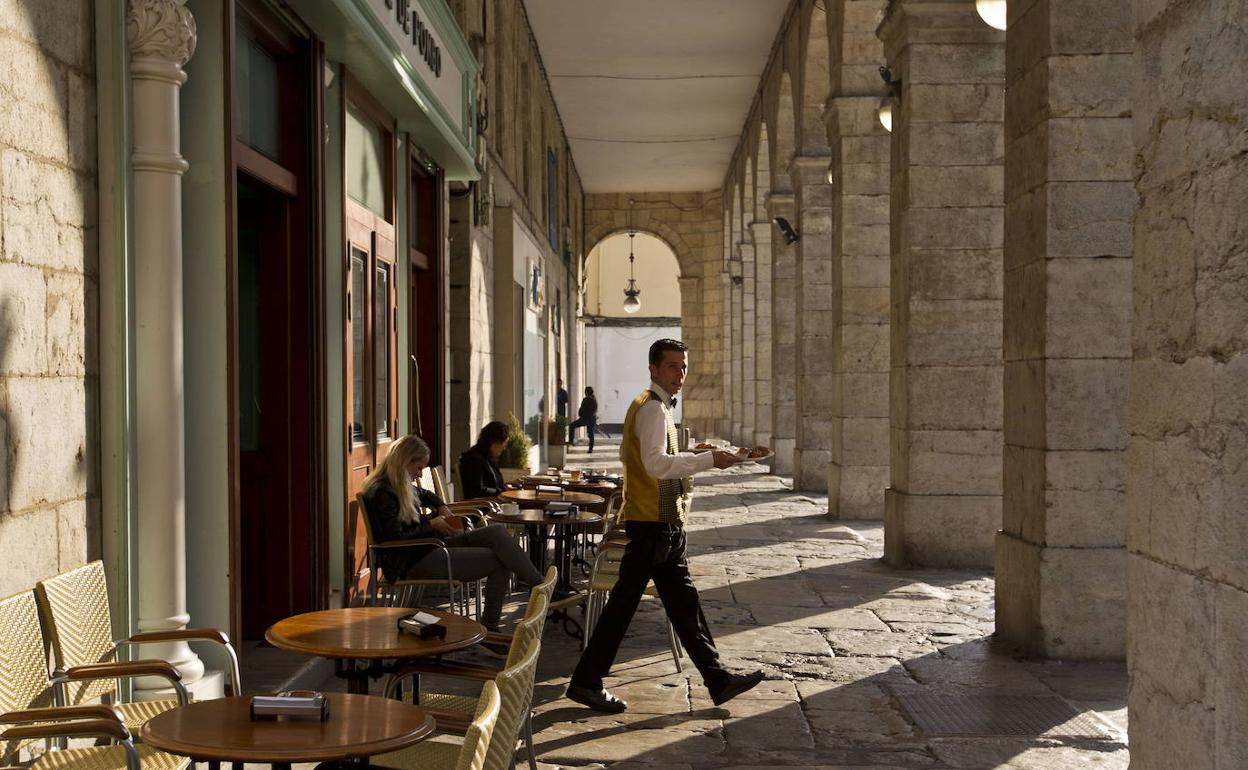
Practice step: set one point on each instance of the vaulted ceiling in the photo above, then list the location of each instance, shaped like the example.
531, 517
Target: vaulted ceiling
654, 93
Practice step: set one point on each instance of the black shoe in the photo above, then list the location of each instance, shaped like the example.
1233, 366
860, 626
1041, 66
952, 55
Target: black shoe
734, 686
598, 700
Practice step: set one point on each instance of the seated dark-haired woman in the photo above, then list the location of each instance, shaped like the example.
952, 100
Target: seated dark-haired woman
395, 511
479, 473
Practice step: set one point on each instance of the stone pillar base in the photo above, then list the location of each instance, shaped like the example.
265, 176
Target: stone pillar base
784, 450
810, 472
1067, 603
856, 491
940, 530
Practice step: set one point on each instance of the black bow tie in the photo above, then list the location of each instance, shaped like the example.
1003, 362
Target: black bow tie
673, 402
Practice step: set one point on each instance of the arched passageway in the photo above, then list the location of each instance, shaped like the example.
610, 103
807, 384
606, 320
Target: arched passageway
616, 340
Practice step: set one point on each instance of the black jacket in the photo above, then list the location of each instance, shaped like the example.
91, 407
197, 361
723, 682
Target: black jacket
589, 408
381, 505
479, 474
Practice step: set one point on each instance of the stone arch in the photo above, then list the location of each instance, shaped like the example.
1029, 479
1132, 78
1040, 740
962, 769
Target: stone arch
762, 172
738, 222
812, 138
785, 135
748, 189
598, 232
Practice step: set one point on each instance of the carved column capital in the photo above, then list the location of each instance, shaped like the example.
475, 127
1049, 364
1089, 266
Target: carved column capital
160, 29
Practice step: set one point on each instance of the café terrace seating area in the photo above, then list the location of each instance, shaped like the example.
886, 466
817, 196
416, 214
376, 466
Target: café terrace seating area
867, 666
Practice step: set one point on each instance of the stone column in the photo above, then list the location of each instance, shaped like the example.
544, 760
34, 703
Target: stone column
813, 324
762, 332
735, 325
1187, 471
749, 342
1061, 562
783, 349
161, 36
943, 505
858, 472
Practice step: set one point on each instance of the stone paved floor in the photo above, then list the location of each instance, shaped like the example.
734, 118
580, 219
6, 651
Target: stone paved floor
840, 636
838, 633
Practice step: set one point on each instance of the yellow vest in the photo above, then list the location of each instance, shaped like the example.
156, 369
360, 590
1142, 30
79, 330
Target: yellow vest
645, 497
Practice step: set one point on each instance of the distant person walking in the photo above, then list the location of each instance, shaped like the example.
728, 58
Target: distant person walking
586, 417
561, 399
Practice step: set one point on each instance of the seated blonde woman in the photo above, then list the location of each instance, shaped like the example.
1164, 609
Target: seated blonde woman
397, 510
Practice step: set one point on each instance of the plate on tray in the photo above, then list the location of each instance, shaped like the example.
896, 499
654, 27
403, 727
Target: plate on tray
745, 458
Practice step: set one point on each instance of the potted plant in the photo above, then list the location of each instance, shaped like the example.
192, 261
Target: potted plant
557, 440
516, 460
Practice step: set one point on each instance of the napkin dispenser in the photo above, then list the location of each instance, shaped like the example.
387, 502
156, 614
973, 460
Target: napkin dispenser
549, 489
296, 704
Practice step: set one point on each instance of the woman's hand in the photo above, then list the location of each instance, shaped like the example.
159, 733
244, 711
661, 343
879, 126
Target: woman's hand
442, 526
441, 522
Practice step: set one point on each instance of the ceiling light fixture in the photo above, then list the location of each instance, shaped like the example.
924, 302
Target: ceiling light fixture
631, 293
992, 12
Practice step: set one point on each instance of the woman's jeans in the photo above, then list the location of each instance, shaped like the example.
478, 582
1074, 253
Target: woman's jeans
590, 426
488, 552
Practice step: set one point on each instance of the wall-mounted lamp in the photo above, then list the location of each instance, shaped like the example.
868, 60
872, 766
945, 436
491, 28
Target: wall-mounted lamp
891, 100
992, 12
786, 230
829, 175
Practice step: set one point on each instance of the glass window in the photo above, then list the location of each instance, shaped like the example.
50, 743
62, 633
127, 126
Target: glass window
358, 259
366, 162
259, 122
381, 348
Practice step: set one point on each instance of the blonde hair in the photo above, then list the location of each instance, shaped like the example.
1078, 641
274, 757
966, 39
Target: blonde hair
393, 472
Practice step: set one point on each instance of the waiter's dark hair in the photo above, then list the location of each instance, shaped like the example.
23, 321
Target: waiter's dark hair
662, 346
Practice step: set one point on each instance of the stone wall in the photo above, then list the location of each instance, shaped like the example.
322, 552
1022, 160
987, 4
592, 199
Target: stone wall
523, 123
1187, 477
49, 456
692, 225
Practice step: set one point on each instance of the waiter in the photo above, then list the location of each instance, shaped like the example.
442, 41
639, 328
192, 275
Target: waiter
657, 484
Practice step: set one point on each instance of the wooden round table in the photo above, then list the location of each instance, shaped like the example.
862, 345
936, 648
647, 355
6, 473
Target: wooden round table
221, 730
531, 498
369, 634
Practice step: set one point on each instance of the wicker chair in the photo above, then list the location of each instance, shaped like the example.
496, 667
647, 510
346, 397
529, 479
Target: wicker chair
26, 695
602, 579
515, 689
469, 753
78, 624
452, 711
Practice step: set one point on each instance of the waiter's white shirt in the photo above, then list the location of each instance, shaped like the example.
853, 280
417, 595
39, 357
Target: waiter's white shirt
651, 427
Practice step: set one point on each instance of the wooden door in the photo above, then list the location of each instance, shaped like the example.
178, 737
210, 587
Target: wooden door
371, 311
427, 394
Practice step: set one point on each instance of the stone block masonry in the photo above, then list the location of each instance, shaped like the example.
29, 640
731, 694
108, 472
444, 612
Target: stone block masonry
49, 454
783, 339
1187, 469
1061, 589
943, 504
858, 472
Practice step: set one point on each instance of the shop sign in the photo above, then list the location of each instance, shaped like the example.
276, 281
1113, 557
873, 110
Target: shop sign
413, 31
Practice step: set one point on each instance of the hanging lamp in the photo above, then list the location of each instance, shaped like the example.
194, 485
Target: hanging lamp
631, 293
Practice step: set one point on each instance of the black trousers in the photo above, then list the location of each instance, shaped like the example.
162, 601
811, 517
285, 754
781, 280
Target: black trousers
654, 551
